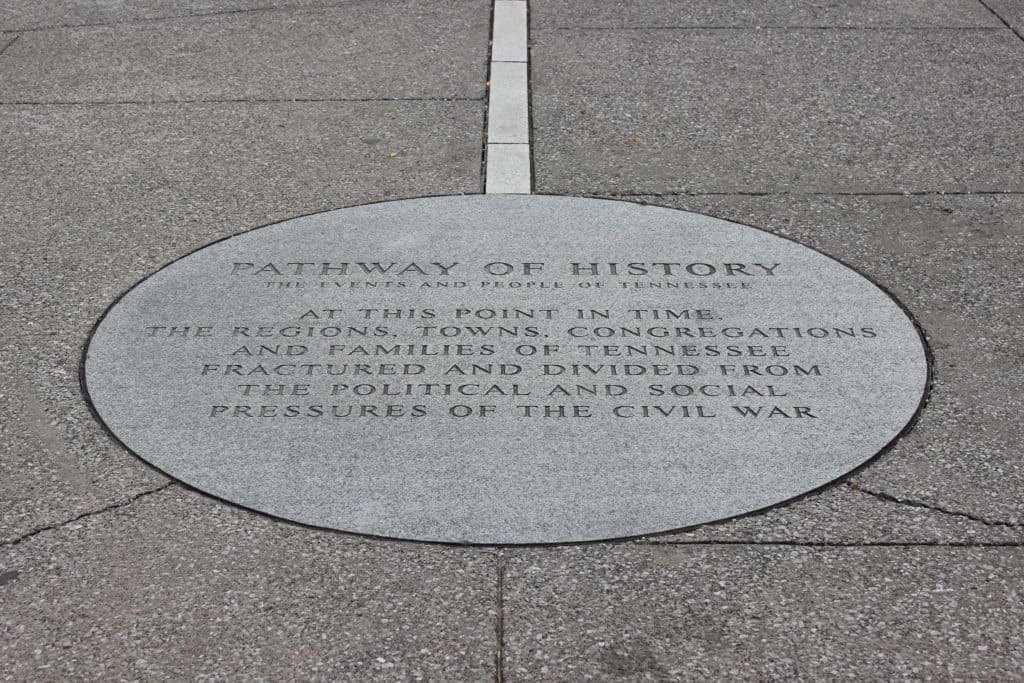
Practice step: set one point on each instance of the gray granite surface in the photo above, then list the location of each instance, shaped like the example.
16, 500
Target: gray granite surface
651, 369
181, 587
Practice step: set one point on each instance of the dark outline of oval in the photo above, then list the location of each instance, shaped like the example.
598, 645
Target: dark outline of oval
922, 404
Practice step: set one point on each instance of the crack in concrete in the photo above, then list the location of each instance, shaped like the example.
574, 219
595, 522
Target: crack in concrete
1000, 18
4, 48
85, 515
928, 506
214, 100
499, 655
499, 621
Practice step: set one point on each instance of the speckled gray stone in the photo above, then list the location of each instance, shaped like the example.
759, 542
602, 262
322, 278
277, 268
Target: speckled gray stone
275, 419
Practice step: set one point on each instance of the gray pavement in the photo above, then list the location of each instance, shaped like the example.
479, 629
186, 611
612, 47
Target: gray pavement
883, 133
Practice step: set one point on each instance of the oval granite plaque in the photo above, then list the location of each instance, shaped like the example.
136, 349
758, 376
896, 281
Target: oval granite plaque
506, 369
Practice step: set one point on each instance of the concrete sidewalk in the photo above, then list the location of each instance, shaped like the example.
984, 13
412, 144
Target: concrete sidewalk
884, 133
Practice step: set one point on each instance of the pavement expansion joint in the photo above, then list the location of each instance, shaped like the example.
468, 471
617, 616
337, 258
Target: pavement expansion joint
86, 515
499, 612
936, 508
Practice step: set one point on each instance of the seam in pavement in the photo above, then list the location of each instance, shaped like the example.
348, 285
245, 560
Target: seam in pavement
92, 513
487, 100
928, 506
778, 28
499, 612
240, 100
916, 193
530, 128
1000, 18
188, 15
8, 45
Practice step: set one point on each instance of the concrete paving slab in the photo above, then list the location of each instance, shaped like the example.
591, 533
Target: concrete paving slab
178, 586
629, 612
954, 262
79, 176
55, 462
392, 50
738, 13
16, 14
96, 197
777, 110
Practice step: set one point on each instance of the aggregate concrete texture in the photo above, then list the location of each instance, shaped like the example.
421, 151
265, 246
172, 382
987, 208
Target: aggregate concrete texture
16, 15
180, 587
390, 50
851, 514
804, 110
762, 13
633, 613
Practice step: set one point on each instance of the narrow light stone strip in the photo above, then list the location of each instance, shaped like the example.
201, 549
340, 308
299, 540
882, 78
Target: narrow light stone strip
508, 114
509, 43
508, 169
508, 118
